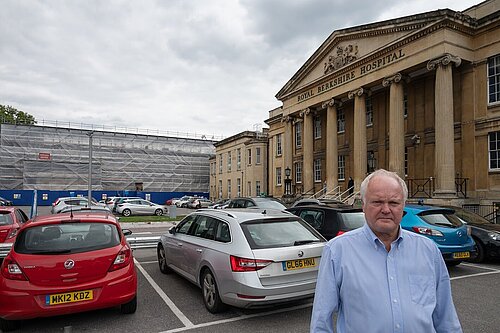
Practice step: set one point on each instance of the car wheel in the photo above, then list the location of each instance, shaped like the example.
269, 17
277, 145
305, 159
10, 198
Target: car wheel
158, 212
210, 292
479, 247
129, 307
8, 325
126, 212
162, 260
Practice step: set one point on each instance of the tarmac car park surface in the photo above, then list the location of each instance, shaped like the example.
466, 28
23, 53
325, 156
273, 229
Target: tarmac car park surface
168, 303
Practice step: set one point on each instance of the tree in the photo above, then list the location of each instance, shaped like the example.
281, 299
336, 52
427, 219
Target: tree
11, 115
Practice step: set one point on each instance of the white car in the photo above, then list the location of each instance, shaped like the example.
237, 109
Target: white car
140, 207
184, 201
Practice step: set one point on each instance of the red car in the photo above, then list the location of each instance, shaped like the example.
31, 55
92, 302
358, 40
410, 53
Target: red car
11, 220
67, 263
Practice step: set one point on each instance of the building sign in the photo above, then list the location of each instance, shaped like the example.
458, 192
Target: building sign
339, 80
44, 156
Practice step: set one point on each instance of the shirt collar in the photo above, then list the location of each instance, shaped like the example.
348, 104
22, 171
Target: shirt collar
376, 241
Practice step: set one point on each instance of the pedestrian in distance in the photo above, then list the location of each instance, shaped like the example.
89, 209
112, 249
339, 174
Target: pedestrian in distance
350, 185
380, 278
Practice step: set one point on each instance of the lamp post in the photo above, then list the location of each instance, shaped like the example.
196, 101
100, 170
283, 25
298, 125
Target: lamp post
288, 182
89, 197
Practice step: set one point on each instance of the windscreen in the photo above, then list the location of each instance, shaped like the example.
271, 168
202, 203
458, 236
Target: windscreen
5, 218
67, 238
263, 234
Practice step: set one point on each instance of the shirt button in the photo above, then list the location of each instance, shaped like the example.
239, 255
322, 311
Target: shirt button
392, 278
398, 326
395, 301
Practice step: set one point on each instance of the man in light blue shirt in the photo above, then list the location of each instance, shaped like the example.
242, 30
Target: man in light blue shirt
381, 278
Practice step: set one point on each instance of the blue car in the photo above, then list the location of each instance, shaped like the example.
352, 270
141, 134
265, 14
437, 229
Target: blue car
441, 225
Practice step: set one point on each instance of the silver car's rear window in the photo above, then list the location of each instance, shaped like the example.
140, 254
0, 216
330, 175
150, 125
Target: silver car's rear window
5, 218
263, 234
67, 238
353, 220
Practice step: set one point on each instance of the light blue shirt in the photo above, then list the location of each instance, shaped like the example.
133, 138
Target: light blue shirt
374, 291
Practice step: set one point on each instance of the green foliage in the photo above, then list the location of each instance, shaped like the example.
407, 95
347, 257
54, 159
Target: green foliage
11, 115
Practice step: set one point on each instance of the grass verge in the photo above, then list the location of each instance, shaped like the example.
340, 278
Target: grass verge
132, 219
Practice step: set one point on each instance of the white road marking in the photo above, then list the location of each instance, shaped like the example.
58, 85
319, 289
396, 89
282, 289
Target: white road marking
478, 266
149, 262
165, 298
474, 275
242, 317
142, 233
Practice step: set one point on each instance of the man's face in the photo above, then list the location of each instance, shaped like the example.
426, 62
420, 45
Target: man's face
383, 205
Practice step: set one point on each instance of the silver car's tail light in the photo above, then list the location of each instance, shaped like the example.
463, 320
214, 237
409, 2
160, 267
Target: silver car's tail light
247, 265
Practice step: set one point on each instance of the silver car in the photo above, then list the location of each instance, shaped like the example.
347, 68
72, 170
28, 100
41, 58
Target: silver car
244, 258
140, 207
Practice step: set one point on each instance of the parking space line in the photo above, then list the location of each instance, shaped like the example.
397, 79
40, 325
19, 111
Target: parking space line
479, 266
187, 323
242, 317
474, 275
149, 262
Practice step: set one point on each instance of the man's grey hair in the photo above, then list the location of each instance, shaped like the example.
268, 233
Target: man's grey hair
383, 173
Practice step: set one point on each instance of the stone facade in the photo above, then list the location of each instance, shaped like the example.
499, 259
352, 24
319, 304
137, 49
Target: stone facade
239, 167
418, 95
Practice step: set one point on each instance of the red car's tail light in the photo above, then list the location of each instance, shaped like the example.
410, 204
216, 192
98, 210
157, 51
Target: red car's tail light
122, 259
340, 232
11, 270
427, 231
246, 265
12, 233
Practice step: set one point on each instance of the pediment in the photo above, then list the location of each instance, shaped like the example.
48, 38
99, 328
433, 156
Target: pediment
347, 47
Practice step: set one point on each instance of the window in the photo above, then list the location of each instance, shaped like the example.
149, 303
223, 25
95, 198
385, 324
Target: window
341, 165
494, 150
184, 226
229, 188
298, 172
369, 111
228, 161
257, 187
249, 155
341, 121
406, 161
249, 189
238, 158
405, 104
204, 227
257, 155
317, 170
220, 163
317, 127
298, 135
278, 176
494, 79
223, 233
371, 161
220, 189
238, 187
278, 145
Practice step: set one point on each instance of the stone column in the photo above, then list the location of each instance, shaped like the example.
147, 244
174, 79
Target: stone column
331, 144
396, 124
444, 131
359, 151
308, 151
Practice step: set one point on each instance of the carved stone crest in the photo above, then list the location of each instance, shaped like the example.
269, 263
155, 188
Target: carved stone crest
344, 56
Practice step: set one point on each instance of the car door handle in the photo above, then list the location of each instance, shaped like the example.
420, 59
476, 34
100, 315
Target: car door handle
179, 244
199, 250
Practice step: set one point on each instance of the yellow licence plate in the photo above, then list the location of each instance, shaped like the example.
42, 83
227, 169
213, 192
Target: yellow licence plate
461, 255
299, 264
75, 296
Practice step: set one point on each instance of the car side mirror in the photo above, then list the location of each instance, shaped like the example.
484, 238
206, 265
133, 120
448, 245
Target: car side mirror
172, 230
127, 232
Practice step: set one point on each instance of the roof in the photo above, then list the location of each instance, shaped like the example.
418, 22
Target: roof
247, 214
75, 216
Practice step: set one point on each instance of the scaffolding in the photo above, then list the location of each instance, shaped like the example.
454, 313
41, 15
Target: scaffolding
56, 158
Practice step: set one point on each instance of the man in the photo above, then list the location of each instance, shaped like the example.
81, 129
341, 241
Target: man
381, 278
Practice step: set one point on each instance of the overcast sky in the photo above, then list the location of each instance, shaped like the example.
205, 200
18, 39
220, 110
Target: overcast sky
198, 66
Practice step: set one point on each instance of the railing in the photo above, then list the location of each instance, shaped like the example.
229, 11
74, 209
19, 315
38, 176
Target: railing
425, 187
489, 212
